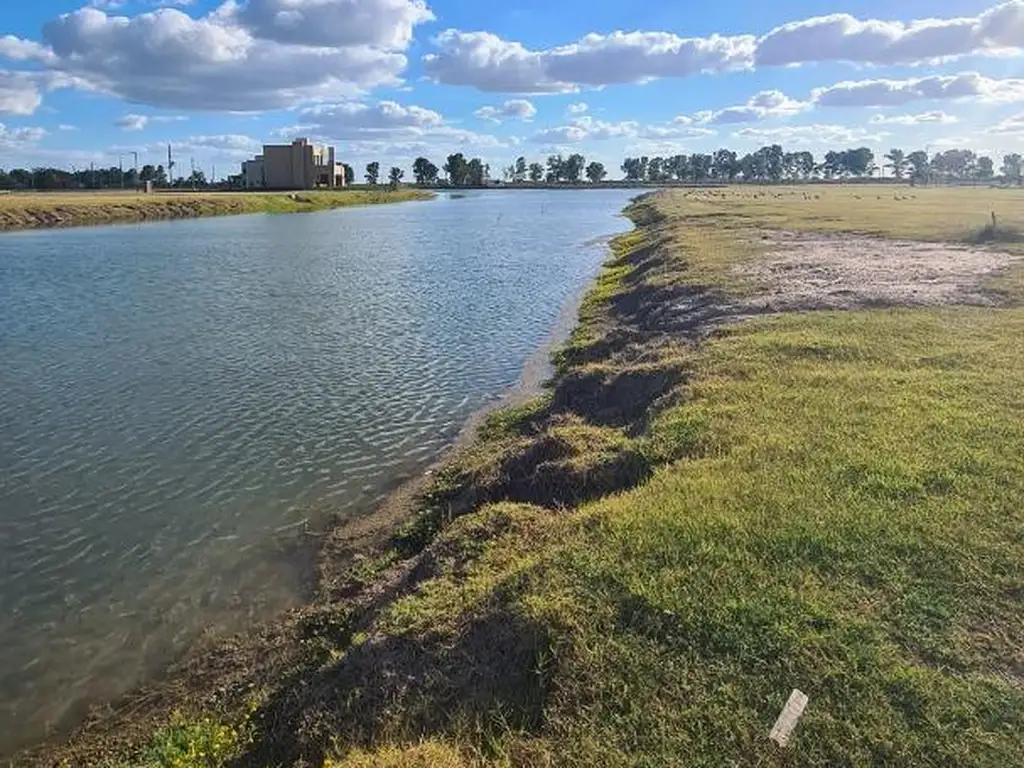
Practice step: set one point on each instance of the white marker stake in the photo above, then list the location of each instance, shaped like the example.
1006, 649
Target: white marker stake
784, 726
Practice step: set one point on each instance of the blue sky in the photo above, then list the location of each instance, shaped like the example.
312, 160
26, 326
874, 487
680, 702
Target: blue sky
88, 82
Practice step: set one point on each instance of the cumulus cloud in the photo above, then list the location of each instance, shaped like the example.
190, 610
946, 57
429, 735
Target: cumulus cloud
817, 134
519, 109
895, 93
1011, 126
132, 122
354, 120
489, 63
578, 108
20, 93
923, 118
385, 127
13, 138
588, 128
386, 24
263, 54
485, 61
760, 106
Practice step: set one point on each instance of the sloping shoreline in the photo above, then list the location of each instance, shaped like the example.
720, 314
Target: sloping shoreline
642, 562
72, 209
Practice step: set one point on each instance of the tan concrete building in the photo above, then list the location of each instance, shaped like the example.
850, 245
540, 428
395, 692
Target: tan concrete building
299, 165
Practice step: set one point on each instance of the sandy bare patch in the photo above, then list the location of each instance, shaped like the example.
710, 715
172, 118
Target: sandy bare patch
808, 271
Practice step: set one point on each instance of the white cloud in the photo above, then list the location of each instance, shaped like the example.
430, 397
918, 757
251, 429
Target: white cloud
519, 109
934, 118
760, 106
65, 128
13, 138
385, 24
386, 128
895, 93
579, 108
132, 122
20, 93
487, 62
817, 134
588, 128
1011, 126
238, 57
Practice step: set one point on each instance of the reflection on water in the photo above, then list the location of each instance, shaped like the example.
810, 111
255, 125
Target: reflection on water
180, 401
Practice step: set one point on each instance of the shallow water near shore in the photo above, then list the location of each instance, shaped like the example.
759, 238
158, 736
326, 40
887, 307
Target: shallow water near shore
180, 403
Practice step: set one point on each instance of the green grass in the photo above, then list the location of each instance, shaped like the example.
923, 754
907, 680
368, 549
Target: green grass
837, 505
23, 211
637, 568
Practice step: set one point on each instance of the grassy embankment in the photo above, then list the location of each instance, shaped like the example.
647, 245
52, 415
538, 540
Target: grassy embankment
637, 568
69, 209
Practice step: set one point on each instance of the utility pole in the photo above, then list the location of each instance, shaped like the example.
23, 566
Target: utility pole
120, 168
170, 167
135, 178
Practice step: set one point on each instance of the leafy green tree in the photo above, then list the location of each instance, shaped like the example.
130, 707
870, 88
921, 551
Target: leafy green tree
476, 172
596, 172
985, 170
395, 177
536, 172
898, 162
920, 167
556, 169
655, 170
725, 165
457, 170
700, 167
1013, 168
424, 171
350, 174
572, 170
373, 173
633, 169
520, 173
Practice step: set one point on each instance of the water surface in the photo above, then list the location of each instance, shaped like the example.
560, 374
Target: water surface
180, 401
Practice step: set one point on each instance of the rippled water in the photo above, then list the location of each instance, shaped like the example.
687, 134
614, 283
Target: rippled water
178, 401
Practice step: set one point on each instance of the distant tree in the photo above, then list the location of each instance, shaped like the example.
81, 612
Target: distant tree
395, 177
572, 170
644, 162
858, 162
536, 172
986, 169
350, 174
1013, 168
677, 167
596, 172
633, 169
898, 162
774, 162
457, 170
920, 167
725, 165
197, 180
520, 173
160, 177
476, 172
555, 169
700, 167
373, 173
148, 173
424, 171
954, 164
655, 172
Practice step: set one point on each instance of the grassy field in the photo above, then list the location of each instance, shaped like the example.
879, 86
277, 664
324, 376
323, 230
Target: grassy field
66, 209
638, 567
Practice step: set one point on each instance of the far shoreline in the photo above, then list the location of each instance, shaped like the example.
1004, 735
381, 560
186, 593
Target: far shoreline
40, 211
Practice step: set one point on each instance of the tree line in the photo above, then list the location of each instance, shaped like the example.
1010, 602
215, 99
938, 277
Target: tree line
770, 164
